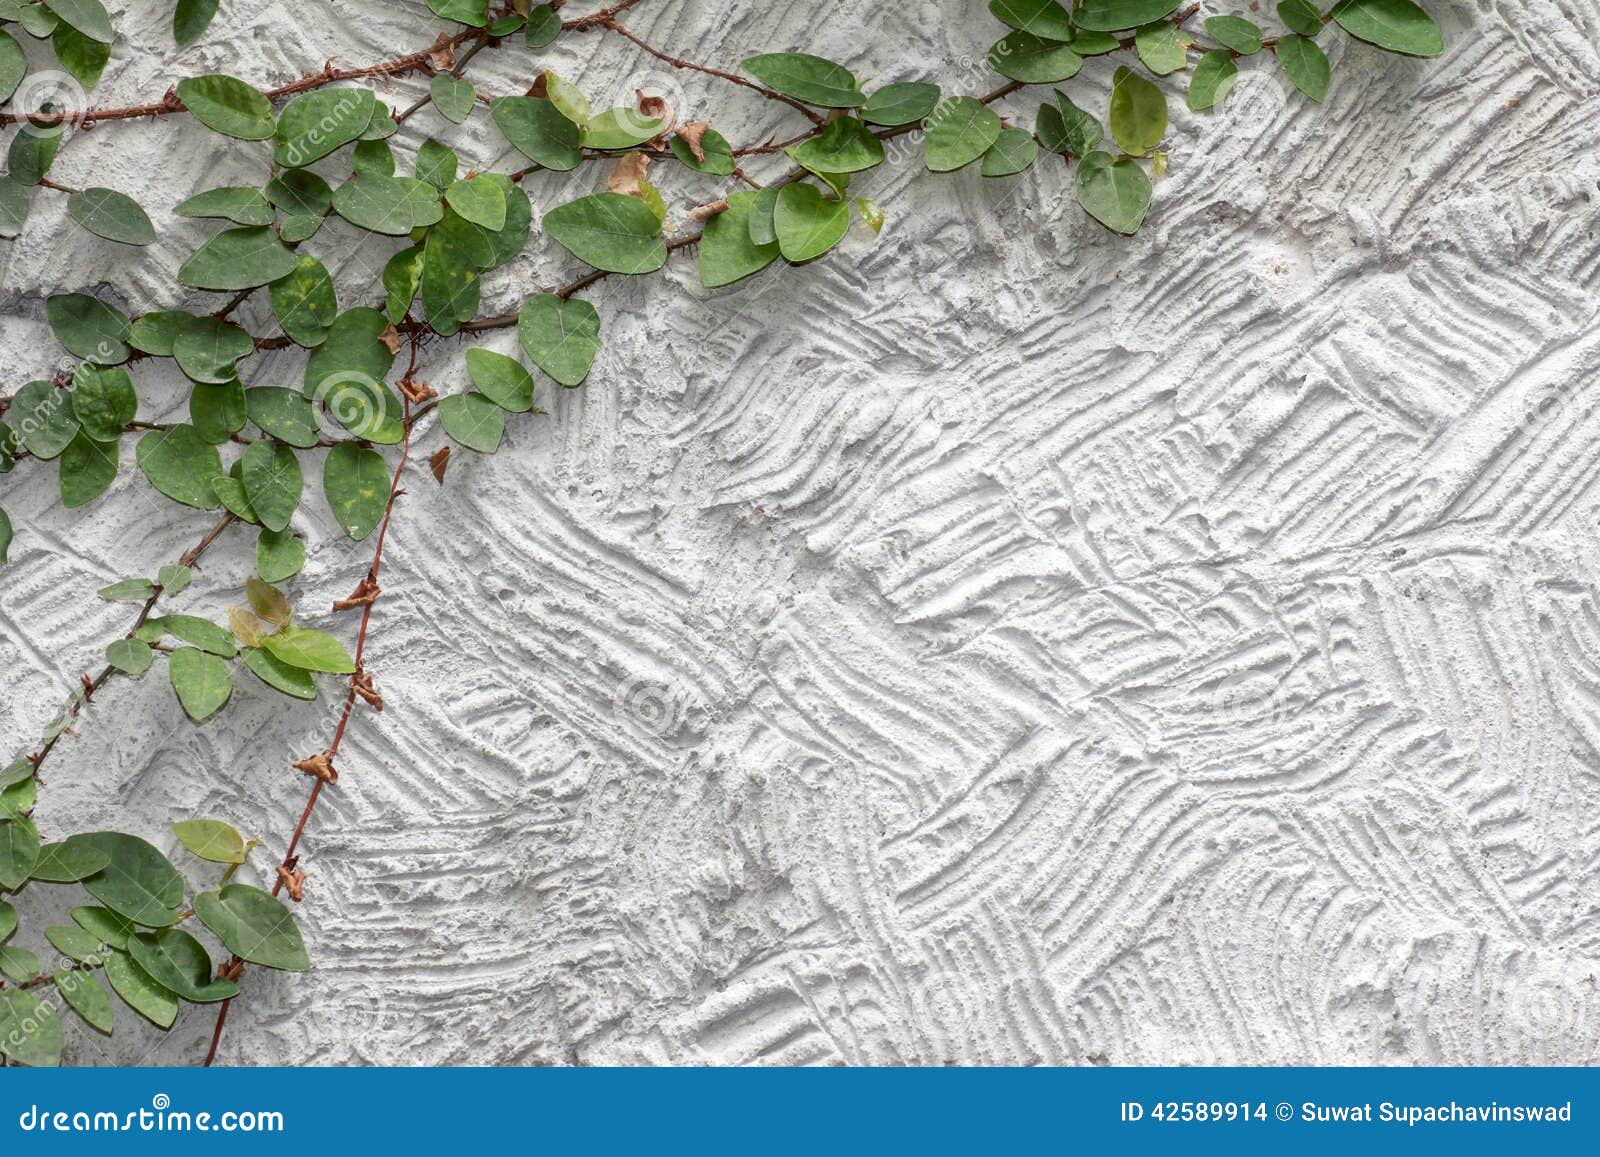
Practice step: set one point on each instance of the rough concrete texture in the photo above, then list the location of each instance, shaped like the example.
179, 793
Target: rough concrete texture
997, 642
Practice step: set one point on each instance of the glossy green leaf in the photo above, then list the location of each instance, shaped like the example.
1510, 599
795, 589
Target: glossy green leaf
1012, 152
217, 410
355, 481
70, 940
1032, 59
1301, 16
305, 302
207, 349
238, 259
279, 675
177, 961
472, 420
202, 633
1138, 112
809, 79
1114, 191
900, 104
300, 192
381, 204
30, 155
211, 840
473, 12
134, 590
203, 685
1213, 80
130, 656
84, 59
286, 415
191, 19
610, 232
69, 861
452, 96
718, 153
479, 200
1162, 48
89, 328
1114, 15
272, 482
315, 123
279, 555
957, 132
228, 105
1305, 65
254, 926
402, 277
807, 223
13, 199
42, 417
87, 16
1393, 25
174, 577
103, 401
452, 256
13, 65
112, 215
1235, 32
620, 128
560, 337
436, 164
138, 883
147, 998
538, 131
18, 964
87, 468
155, 333
181, 464
727, 253
313, 650
19, 848
30, 1030
501, 379
544, 25
1044, 18
845, 146
104, 924
236, 203
83, 994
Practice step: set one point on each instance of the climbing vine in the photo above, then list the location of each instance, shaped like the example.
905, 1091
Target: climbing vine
148, 934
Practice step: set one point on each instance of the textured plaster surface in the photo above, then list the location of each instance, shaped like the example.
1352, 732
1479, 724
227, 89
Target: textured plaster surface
997, 642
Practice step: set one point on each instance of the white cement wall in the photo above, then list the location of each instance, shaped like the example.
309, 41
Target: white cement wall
997, 642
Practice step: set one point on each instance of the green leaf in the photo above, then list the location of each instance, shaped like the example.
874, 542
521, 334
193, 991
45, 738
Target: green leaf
508, 241
315, 123
230, 492
809, 79
501, 379
900, 104
207, 349
174, 577
726, 252
43, 417
718, 153
1162, 50
436, 164
13, 65
1040, 17
807, 223
279, 675
130, 656
228, 105
89, 328
1235, 32
177, 961
253, 926
609, 231
202, 633
1213, 80
84, 59
300, 192
236, 203
87, 468
217, 410
284, 414
211, 840
402, 277
8, 921
1305, 65
5, 535
18, 964
538, 131
620, 128
154, 333
134, 590
103, 401
30, 1030
30, 155
1393, 25
543, 25
272, 482
452, 255
138, 883
279, 555
1115, 192
191, 18
382, 204
13, 199
19, 848
202, 684
1114, 15
69, 861
104, 924
1138, 112
373, 157
1301, 16
238, 259
87, 16
147, 998
355, 481
312, 650
452, 96
1032, 59
845, 146
112, 215
305, 302
473, 12
473, 421
70, 940
560, 337
1012, 153
479, 200
83, 993
958, 132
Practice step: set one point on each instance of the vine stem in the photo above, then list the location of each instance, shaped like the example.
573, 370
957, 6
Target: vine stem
235, 966
90, 686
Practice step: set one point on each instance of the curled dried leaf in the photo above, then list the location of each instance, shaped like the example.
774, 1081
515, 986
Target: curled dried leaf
691, 135
628, 174
416, 392
437, 462
708, 210
390, 337
319, 766
293, 882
